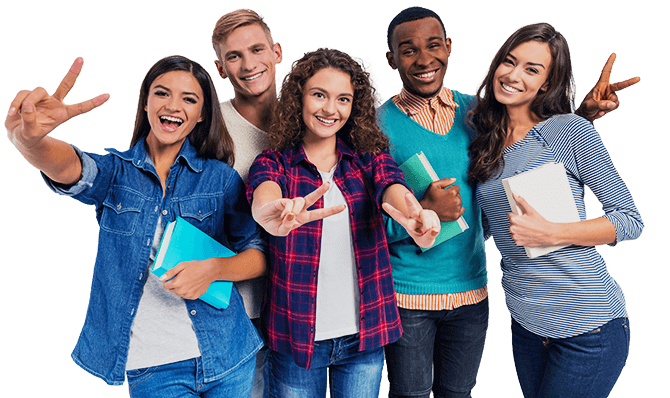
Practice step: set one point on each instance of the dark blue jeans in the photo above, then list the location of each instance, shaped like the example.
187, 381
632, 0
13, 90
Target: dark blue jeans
448, 344
584, 366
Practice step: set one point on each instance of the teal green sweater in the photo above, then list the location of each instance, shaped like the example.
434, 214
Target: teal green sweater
459, 264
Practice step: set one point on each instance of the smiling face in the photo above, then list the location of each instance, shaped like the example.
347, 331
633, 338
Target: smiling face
420, 53
326, 104
249, 60
522, 74
174, 107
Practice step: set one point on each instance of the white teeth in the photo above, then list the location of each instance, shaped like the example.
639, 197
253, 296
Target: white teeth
426, 75
172, 119
257, 75
510, 89
327, 121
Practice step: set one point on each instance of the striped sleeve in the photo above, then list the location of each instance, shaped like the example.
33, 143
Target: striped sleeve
594, 167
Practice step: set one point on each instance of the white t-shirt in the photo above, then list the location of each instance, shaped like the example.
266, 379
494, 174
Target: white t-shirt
162, 331
337, 293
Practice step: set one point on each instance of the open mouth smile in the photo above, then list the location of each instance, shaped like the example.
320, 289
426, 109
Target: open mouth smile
171, 123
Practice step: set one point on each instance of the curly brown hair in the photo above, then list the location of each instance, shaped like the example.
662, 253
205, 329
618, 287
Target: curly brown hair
360, 131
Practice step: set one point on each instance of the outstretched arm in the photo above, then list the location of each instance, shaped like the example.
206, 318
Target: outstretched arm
34, 114
602, 98
421, 224
279, 216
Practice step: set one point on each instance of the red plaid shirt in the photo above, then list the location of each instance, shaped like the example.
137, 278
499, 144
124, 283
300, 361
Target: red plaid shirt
289, 308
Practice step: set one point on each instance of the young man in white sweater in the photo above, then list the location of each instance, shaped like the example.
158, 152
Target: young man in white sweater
246, 56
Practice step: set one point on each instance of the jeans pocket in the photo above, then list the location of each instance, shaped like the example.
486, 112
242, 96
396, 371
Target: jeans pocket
138, 376
626, 329
120, 211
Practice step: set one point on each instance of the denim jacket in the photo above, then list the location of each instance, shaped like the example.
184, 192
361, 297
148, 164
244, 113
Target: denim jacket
128, 198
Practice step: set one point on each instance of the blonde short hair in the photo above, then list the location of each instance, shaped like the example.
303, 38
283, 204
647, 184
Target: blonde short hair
233, 20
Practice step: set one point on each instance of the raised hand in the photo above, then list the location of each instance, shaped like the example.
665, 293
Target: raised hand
34, 114
602, 98
422, 225
281, 216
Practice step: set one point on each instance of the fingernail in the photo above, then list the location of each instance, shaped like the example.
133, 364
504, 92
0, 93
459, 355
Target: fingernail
12, 111
162, 278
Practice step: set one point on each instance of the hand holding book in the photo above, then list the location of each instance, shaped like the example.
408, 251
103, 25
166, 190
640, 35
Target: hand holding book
529, 228
191, 279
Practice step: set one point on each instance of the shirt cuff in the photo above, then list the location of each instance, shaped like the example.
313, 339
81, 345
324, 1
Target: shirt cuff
89, 171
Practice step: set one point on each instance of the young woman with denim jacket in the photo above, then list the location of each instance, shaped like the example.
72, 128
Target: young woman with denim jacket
155, 330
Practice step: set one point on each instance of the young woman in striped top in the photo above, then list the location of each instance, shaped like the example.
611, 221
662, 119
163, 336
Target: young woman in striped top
570, 329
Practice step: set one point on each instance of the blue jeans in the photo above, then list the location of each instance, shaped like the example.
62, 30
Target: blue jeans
352, 373
584, 366
260, 388
185, 379
448, 344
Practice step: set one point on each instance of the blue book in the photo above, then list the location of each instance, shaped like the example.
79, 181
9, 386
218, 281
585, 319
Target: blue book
183, 242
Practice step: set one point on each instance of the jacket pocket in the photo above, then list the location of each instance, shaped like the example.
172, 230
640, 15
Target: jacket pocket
121, 210
200, 211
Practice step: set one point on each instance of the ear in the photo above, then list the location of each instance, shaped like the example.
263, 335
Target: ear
391, 60
278, 53
221, 69
545, 87
447, 43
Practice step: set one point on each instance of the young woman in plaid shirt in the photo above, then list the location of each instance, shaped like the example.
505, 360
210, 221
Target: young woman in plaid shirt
330, 304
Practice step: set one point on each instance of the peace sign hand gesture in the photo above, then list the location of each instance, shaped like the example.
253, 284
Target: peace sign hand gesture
422, 225
281, 216
34, 114
602, 98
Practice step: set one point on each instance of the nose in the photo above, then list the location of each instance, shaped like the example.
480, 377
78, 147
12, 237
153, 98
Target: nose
248, 63
329, 107
424, 58
173, 104
514, 74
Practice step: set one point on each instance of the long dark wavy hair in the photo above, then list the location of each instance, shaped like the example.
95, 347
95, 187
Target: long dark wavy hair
360, 132
210, 138
490, 118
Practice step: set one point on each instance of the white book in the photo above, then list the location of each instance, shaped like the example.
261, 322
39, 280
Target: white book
547, 190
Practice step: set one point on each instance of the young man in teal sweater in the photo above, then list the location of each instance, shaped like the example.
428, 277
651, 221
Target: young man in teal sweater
442, 295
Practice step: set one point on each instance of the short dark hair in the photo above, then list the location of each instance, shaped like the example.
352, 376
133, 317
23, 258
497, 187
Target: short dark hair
409, 15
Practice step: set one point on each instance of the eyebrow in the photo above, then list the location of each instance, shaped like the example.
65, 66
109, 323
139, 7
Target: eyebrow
527, 63
260, 44
326, 91
430, 39
168, 90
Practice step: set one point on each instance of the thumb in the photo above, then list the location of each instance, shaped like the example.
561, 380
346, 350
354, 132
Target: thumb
28, 116
171, 273
523, 206
446, 182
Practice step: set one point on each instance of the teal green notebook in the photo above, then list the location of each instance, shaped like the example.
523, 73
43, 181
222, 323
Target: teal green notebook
418, 175
184, 242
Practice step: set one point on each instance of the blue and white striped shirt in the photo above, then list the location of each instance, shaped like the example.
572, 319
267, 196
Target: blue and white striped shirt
567, 292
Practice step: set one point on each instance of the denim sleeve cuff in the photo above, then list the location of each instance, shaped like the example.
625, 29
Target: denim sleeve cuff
89, 171
256, 243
